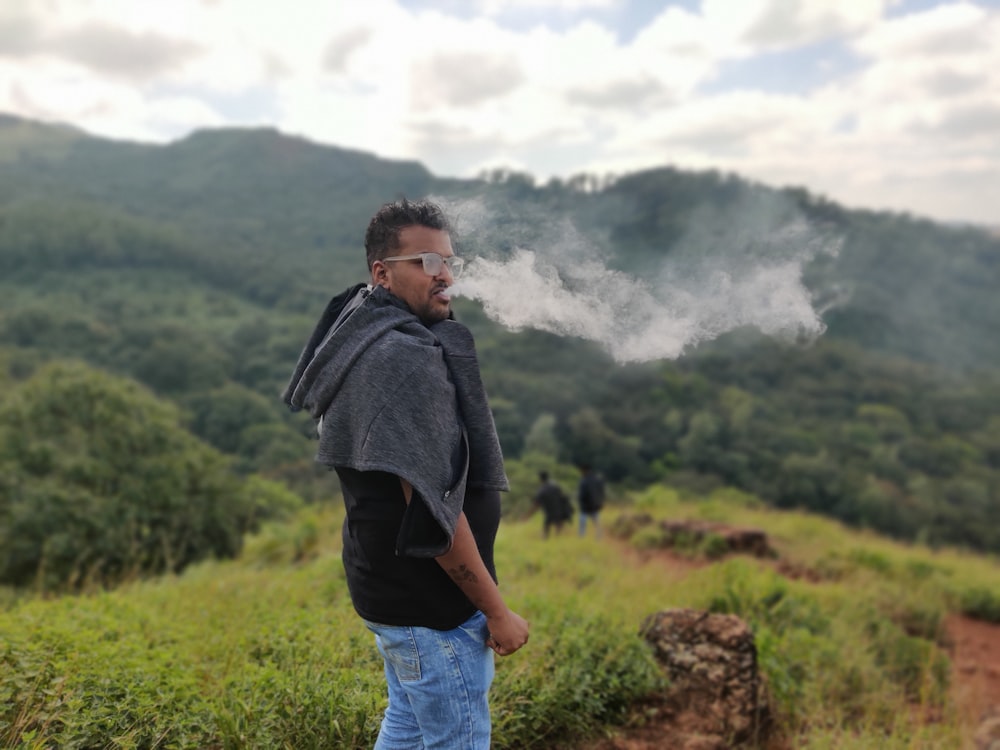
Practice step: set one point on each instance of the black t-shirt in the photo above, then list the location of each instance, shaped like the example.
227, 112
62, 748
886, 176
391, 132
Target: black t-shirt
393, 590
591, 494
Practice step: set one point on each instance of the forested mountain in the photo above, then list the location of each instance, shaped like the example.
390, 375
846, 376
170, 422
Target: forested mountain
261, 208
197, 268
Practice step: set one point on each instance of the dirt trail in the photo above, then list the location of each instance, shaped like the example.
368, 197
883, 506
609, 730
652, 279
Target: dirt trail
975, 668
975, 681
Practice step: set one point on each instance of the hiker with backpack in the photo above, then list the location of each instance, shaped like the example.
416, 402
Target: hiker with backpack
555, 505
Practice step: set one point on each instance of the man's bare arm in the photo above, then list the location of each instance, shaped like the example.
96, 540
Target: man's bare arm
465, 566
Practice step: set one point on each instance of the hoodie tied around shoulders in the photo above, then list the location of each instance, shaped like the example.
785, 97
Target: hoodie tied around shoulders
394, 395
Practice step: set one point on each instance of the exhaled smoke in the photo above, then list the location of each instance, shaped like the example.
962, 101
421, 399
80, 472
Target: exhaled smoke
724, 275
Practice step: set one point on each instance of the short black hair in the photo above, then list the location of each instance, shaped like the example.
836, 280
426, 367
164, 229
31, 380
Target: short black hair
382, 236
543, 475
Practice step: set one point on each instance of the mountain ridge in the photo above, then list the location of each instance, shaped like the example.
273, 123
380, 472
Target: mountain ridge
256, 195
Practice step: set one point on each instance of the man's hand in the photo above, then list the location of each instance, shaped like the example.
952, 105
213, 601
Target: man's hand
464, 565
508, 632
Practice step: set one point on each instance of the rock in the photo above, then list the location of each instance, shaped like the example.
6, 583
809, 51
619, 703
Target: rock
715, 688
713, 538
748, 541
625, 525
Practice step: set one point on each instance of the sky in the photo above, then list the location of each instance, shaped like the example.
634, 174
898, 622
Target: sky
880, 104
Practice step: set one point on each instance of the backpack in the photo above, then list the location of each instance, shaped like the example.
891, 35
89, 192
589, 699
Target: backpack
565, 506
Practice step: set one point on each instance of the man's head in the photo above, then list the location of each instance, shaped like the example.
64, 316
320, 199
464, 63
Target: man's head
543, 476
397, 237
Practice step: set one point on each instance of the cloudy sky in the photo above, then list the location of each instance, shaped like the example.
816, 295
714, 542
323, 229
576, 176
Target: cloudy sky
886, 104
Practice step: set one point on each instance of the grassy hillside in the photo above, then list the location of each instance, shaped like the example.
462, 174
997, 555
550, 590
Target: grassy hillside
266, 651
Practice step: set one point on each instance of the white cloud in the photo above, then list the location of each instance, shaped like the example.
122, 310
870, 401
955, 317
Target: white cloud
921, 106
496, 7
122, 54
464, 78
458, 93
339, 49
950, 29
902, 90
776, 24
20, 32
114, 110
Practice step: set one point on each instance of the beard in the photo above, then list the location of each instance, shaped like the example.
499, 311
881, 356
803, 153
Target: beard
433, 310
431, 313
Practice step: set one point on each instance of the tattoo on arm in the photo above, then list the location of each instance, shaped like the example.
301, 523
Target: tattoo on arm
462, 574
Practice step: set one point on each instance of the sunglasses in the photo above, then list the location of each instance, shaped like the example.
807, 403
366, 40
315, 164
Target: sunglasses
433, 263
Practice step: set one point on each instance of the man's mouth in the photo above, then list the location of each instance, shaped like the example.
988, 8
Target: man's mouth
441, 293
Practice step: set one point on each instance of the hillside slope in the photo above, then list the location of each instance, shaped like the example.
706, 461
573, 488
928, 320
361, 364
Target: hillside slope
266, 650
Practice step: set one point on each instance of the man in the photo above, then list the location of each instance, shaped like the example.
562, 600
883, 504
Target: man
394, 384
555, 505
590, 497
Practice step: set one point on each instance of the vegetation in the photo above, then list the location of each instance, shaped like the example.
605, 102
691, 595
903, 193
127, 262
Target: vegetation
100, 483
198, 269
266, 651
156, 299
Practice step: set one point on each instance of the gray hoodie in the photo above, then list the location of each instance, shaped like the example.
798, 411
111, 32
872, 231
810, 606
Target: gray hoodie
397, 396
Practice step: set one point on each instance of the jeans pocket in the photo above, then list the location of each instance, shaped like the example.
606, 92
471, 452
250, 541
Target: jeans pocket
399, 650
476, 629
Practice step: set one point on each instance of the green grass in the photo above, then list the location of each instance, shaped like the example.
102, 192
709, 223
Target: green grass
266, 651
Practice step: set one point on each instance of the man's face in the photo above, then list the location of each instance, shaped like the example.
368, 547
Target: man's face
427, 296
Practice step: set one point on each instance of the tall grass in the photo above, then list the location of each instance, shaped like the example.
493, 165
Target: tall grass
266, 651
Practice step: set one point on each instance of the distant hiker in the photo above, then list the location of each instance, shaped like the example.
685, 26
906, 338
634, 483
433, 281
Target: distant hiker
590, 497
555, 505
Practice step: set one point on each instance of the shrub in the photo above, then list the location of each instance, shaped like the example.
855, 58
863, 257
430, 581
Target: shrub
588, 680
981, 603
713, 546
650, 537
912, 663
99, 483
875, 561
766, 599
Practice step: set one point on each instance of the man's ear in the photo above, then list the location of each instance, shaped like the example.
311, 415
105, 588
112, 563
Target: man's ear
380, 274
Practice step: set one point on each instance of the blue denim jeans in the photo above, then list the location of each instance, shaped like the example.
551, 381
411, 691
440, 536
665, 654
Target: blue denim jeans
439, 681
593, 520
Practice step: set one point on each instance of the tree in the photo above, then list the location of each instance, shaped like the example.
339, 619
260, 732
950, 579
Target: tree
100, 482
221, 415
591, 441
541, 438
